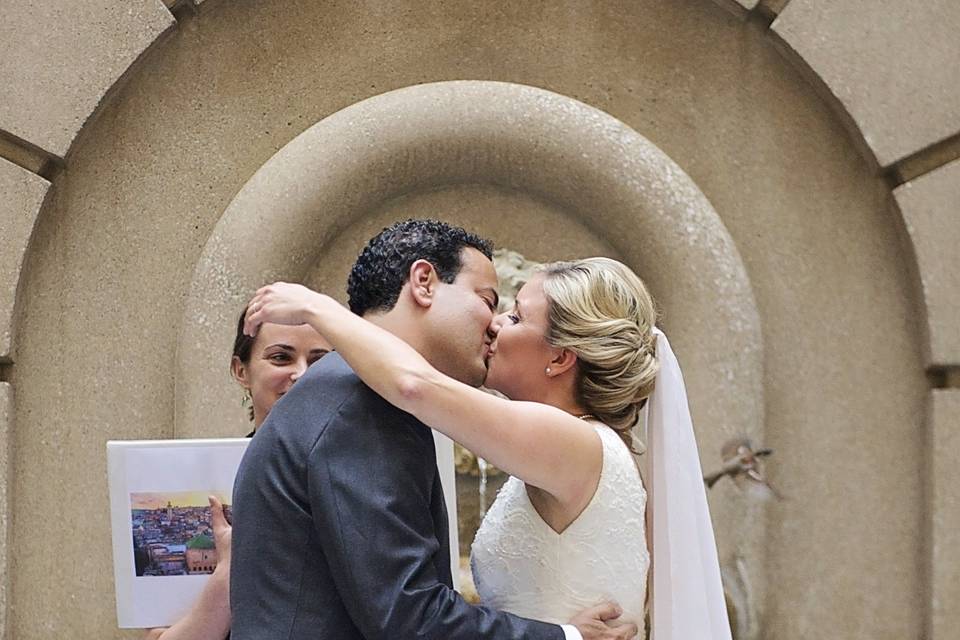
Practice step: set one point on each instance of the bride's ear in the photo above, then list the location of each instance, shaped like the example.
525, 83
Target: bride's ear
423, 282
563, 360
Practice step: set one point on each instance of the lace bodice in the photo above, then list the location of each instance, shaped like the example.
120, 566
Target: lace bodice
523, 566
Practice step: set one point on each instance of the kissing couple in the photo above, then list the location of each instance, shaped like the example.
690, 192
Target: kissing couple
340, 529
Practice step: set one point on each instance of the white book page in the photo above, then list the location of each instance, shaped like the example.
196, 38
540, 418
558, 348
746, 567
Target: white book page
199, 467
162, 485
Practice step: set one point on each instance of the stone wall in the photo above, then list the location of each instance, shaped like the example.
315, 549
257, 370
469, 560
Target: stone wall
812, 145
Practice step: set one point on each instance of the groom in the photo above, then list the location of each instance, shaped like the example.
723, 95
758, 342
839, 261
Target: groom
340, 529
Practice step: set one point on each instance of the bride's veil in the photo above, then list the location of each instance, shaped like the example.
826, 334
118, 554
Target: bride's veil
687, 600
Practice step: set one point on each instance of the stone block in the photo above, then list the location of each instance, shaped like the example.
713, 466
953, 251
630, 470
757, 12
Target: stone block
738, 7
175, 5
886, 61
22, 194
59, 59
101, 310
774, 7
945, 513
6, 432
930, 206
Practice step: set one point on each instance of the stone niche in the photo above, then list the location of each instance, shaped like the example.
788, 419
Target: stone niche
263, 140
535, 171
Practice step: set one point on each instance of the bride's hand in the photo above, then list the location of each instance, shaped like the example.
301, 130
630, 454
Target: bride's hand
280, 303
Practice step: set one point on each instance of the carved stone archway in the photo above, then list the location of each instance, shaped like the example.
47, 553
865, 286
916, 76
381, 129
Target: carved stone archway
606, 176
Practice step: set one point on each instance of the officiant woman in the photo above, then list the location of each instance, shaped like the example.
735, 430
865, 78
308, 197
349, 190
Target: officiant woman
265, 367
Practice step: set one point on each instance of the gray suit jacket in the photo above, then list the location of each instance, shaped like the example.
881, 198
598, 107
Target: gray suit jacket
340, 528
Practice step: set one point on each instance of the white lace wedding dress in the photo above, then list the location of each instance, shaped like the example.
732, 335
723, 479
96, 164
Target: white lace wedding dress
523, 566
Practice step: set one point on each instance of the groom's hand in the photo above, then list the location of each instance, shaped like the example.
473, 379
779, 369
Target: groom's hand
602, 623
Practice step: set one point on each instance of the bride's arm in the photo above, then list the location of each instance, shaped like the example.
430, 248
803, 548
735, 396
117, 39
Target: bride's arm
542, 445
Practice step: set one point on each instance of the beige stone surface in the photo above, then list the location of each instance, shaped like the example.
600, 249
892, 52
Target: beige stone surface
6, 431
173, 5
59, 59
930, 206
775, 7
21, 195
945, 512
26, 156
891, 64
106, 282
738, 7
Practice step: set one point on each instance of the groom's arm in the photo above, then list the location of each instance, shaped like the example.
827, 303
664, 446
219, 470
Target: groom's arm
370, 479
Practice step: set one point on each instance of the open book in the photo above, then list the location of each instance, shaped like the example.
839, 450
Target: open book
163, 551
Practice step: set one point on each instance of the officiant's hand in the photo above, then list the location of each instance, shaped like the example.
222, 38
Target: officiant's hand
222, 531
210, 615
603, 623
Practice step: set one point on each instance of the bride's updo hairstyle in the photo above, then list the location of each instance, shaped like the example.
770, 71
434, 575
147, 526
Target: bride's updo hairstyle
602, 312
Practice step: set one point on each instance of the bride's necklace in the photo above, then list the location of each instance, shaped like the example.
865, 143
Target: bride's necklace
587, 416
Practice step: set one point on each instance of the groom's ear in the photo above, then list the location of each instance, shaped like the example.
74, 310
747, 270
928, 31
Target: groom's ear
423, 282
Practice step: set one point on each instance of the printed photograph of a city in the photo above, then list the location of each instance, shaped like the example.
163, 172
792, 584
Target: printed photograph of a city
172, 534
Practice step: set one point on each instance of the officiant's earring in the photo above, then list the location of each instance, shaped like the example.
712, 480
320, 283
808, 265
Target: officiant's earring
247, 402
548, 370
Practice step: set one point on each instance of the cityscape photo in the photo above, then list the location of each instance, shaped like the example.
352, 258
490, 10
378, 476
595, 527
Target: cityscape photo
172, 533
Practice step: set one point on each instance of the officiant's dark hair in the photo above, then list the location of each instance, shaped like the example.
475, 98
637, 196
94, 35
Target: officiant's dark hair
383, 266
242, 349
242, 343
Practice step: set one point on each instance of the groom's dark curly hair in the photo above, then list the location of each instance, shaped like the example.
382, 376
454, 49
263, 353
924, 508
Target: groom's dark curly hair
383, 266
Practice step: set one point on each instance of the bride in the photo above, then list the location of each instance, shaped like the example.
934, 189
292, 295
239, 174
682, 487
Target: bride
579, 358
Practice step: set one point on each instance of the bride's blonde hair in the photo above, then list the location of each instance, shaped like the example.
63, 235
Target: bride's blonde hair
602, 312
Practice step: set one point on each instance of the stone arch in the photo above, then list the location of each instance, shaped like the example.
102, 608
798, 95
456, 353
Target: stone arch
820, 37
609, 178
516, 136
